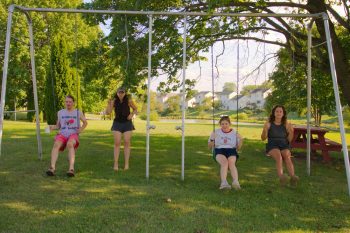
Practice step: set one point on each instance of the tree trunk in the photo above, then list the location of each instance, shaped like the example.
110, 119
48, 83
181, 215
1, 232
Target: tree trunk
341, 61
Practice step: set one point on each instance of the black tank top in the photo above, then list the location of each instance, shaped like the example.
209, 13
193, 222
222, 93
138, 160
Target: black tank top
278, 132
121, 109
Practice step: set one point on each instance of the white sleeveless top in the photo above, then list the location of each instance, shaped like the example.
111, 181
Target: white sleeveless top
69, 121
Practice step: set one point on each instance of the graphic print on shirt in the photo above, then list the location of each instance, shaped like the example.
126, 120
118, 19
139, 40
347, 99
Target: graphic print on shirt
69, 122
225, 139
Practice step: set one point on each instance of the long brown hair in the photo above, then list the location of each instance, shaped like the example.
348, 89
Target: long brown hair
272, 115
124, 103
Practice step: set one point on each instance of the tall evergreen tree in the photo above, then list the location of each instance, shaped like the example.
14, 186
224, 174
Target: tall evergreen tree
60, 80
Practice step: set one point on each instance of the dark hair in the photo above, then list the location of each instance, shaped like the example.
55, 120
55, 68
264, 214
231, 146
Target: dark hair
225, 118
70, 97
124, 98
125, 103
272, 115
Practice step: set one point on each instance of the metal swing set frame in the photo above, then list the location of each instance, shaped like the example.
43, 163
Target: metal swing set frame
150, 15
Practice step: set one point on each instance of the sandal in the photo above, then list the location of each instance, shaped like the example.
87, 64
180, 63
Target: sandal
50, 172
70, 173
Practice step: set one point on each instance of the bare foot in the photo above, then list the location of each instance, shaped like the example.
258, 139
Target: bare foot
126, 167
115, 167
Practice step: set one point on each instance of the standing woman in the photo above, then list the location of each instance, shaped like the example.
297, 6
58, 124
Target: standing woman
279, 133
122, 124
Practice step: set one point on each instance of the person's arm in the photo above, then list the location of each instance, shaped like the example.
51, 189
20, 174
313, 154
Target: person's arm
83, 119
57, 126
265, 131
134, 109
240, 141
211, 141
290, 131
109, 107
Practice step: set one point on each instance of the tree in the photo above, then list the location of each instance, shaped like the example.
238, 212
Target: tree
173, 105
46, 27
204, 31
60, 81
289, 89
229, 87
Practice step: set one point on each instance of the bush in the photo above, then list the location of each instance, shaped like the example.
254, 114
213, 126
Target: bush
241, 116
346, 115
31, 117
153, 116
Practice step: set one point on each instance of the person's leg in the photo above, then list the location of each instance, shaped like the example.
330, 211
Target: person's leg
234, 172
71, 153
127, 148
117, 140
54, 154
276, 155
286, 154
288, 161
222, 160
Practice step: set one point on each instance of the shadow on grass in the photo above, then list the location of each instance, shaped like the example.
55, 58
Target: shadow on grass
100, 200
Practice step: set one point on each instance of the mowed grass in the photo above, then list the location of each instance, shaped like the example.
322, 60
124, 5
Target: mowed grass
100, 200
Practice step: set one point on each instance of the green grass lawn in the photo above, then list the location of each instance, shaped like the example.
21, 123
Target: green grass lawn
99, 200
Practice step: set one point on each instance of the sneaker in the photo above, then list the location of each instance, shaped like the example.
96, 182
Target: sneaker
283, 180
294, 181
225, 185
235, 185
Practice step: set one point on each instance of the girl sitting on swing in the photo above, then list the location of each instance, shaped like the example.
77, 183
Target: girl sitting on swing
225, 142
279, 133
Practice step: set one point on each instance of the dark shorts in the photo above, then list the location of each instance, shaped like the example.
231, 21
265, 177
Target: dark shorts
227, 152
122, 126
277, 144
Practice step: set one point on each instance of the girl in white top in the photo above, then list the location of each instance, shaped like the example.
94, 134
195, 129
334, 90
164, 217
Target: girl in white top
225, 142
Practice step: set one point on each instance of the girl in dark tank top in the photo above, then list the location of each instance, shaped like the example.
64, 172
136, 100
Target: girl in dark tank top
122, 125
279, 133
122, 109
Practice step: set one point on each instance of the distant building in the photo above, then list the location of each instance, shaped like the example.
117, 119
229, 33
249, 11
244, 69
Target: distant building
255, 99
241, 100
258, 97
225, 97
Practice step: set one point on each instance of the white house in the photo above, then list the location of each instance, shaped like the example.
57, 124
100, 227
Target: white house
202, 95
162, 98
225, 97
258, 97
243, 100
191, 103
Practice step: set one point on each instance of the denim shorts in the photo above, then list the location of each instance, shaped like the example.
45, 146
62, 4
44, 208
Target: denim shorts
122, 126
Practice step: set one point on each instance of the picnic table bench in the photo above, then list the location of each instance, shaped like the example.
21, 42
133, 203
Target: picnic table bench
317, 143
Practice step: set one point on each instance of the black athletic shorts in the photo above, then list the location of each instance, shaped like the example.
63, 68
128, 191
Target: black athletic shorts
122, 126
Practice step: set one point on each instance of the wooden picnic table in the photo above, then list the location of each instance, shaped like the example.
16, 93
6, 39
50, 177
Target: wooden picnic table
317, 143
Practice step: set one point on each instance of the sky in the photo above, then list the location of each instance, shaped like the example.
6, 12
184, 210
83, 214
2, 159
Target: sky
251, 55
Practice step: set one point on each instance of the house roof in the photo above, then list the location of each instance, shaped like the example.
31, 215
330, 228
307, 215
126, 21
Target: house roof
203, 92
237, 97
258, 89
225, 92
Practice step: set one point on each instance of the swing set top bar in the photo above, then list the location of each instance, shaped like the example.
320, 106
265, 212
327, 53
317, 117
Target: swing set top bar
67, 10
